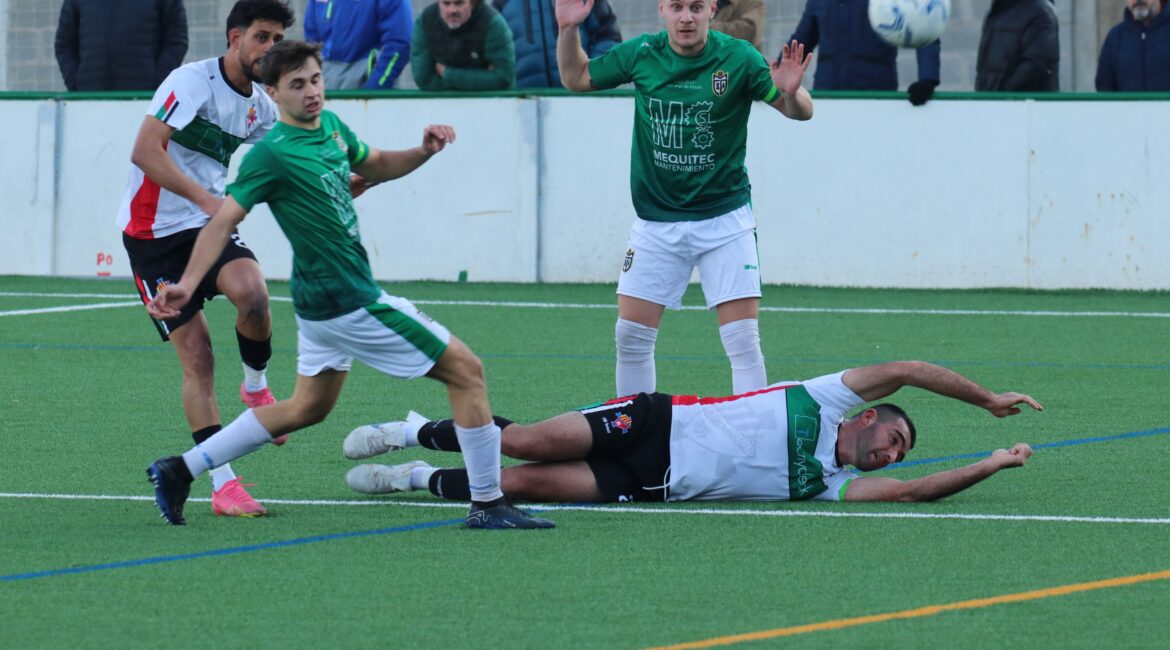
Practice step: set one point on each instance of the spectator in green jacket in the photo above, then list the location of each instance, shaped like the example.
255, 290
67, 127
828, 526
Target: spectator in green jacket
462, 45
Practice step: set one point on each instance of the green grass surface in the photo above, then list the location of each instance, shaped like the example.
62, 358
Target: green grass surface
90, 397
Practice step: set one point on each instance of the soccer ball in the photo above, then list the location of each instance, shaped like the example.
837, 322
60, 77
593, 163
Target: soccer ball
909, 23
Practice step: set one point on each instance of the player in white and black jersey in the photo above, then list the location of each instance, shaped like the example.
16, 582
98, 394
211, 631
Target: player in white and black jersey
199, 116
789, 441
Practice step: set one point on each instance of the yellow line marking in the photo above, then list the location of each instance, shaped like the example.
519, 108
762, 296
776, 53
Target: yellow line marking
921, 611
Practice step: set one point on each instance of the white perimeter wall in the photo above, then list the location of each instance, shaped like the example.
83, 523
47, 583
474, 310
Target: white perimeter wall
869, 193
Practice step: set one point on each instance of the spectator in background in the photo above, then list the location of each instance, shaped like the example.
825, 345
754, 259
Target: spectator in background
364, 43
741, 19
854, 57
534, 35
462, 45
1136, 53
120, 44
1019, 50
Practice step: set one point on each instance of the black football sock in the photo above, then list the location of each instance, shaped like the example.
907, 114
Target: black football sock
205, 433
450, 484
440, 435
254, 353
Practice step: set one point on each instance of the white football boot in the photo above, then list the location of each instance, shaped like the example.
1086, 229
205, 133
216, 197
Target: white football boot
382, 479
376, 439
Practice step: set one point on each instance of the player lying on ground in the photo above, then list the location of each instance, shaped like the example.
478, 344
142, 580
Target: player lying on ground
789, 441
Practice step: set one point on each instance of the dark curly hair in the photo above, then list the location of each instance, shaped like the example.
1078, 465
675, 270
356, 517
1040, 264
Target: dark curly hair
246, 12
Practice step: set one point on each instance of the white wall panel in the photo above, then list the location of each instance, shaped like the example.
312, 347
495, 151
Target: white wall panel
868, 193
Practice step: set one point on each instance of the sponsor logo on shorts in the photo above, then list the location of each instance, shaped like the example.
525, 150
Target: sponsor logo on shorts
620, 422
750, 267
625, 498
629, 260
719, 82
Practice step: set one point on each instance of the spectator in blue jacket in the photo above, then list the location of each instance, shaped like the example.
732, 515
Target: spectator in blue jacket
534, 33
1136, 53
853, 57
365, 43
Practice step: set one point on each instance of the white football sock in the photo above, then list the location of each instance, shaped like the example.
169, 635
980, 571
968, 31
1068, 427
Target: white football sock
220, 475
420, 477
243, 436
741, 341
254, 380
481, 456
635, 357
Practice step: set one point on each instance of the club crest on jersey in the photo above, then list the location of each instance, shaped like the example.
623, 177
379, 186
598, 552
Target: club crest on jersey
251, 115
340, 142
719, 82
629, 260
620, 422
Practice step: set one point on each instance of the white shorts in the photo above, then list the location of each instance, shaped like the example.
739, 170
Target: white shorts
661, 256
390, 335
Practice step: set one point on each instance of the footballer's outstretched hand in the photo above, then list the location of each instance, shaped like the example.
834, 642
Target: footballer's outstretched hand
168, 301
436, 137
1005, 404
571, 13
788, 71
1014, 457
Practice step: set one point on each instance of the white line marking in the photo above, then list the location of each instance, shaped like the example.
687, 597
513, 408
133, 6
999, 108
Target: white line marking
51, 310
666, 510
610, 306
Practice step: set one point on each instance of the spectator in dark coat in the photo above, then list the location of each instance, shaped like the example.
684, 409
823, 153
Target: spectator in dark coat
534, 33
1020, 47
120, 44
1136, 53
462, 45
853, 56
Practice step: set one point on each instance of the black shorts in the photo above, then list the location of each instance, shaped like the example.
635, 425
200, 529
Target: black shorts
159, 262
630, 458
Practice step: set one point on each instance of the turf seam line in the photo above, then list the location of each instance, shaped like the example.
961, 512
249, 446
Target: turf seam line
919, 612
787, 310
631, 509
234, 550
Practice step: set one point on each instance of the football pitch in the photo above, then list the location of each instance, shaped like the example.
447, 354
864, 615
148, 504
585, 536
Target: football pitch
1072, 550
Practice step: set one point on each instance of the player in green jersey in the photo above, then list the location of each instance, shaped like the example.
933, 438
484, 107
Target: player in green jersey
693, 93
302, 170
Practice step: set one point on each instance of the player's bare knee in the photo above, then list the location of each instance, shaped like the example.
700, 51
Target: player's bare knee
467, 370
520, 442
254, 310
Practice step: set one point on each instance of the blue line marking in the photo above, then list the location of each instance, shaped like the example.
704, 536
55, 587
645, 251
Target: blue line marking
235, 550
836, 363
1044, 445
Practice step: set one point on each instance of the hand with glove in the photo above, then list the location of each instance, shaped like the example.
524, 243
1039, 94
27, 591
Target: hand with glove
921, 91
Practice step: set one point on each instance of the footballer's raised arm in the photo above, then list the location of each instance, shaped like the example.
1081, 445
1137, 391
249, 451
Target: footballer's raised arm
572, 62
878, 381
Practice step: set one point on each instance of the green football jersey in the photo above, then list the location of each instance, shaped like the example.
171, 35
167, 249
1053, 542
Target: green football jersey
690, 122
303, 176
